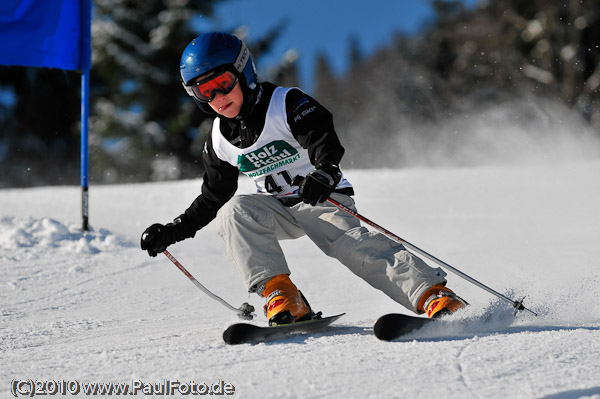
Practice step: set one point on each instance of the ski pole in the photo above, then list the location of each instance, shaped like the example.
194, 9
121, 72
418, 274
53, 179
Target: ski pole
244, 312
518, 305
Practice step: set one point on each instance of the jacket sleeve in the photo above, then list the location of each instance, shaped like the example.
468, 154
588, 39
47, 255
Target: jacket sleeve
312, 126
219, 185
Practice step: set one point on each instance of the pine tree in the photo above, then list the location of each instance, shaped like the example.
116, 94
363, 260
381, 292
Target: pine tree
355, 52
140, 111
326, 86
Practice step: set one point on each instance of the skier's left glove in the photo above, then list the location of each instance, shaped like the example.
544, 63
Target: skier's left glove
318, 185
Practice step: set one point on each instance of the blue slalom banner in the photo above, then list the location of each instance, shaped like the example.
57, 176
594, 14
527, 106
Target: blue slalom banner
52, 34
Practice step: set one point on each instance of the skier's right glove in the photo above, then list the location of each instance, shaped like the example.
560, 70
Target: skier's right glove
157, 238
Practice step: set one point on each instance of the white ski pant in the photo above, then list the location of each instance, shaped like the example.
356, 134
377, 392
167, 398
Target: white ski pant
251, 226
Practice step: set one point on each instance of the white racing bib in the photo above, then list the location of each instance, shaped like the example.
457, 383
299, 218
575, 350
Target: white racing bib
275, 158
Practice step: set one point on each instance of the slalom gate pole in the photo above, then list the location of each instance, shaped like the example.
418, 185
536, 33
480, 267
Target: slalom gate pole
244, 312
518, 305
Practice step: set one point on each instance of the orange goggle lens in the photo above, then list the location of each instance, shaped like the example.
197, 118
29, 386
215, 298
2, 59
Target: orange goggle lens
207, 90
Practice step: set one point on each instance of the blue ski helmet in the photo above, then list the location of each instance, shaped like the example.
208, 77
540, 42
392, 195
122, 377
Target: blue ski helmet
215, 52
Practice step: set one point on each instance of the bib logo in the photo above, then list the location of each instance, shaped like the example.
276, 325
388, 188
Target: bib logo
268, 158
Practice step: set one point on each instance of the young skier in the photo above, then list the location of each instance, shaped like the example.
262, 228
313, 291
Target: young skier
273, 135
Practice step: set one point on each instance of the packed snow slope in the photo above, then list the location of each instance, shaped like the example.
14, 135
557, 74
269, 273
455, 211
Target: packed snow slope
95, 308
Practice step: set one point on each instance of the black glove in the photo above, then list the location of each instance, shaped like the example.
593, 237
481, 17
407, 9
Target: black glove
318, 185
157, 238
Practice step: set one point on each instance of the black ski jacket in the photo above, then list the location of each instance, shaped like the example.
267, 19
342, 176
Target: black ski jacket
311, 124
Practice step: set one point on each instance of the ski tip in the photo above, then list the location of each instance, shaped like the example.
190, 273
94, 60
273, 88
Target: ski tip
395, 325
381, 328
238, 333
334, 317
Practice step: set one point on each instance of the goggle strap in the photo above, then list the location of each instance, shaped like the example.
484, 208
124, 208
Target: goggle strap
242, 59
189, 90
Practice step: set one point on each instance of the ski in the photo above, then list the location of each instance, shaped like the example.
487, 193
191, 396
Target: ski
394, 325
241, 333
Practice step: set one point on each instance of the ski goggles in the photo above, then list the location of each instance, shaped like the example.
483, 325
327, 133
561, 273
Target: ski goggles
206, 90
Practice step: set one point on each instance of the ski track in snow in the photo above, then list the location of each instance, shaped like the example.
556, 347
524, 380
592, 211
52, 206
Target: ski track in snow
94, 308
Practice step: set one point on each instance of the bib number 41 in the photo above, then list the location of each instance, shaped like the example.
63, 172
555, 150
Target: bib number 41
271, 184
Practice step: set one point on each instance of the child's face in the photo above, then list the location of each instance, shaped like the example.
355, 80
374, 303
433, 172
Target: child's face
230, 104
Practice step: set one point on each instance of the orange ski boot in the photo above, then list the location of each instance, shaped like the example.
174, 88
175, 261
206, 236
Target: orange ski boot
439, 301
285, 304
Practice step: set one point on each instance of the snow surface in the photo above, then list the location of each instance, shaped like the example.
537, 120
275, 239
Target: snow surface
95, 308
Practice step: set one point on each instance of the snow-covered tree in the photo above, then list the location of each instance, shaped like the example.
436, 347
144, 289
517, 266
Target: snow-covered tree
140, 111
